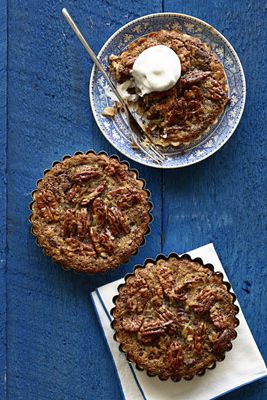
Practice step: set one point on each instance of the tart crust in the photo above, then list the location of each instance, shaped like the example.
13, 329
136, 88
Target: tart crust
175, 317
90, 212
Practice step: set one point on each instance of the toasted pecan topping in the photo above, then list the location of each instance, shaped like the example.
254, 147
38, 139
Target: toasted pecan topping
175, 356
199, 337
69, 224
75, 194
99, 211
109, 112
223, 340
126, 197
102, 240
47, 203
75, 223
205, 299
177, 313
117, 223
85, 175
86, 200
138, 295
90, 212
166, 278
82, 222
151, 331
132, 324
221, 315
182, 114
191, 78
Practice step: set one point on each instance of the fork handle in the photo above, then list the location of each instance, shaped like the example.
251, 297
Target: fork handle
92, 54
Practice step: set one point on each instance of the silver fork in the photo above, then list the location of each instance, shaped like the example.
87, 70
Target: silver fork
144, 143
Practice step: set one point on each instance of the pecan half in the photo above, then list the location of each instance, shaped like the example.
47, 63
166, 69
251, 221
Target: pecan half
110, 169
192, 78
93, 195
202, 57
46, 202
195, 107
132, 324
168, 320
121, 172
173, 321
75, 223
116, 170
168, 283
99, 211
82, 222
125, 197
175, 356
220, 315
177, 112
157, 295
166, 315
222, 341
69, 224
138, 295
216, 92
102, 240
199, 336
205, 299
76, 193
150, 331
117, 223
194, 93
85, 175
166, 279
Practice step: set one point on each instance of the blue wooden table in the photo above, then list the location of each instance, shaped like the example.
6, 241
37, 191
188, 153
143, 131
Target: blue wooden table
51, 345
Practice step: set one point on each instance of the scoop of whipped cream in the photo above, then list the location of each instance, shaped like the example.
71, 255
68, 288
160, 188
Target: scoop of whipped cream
156, 69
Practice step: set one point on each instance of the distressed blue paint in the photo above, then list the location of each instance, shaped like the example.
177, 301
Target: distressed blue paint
55, 346
3, 143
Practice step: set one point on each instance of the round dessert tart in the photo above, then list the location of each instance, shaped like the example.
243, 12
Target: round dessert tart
90, 212
185, 112
175, 317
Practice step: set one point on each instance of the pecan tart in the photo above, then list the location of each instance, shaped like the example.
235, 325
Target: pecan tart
90, 212
183, 114
175, 317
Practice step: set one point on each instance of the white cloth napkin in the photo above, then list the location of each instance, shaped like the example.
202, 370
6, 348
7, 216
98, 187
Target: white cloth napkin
242, 365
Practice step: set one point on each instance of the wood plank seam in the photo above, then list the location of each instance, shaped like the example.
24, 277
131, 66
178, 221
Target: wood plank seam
3, 199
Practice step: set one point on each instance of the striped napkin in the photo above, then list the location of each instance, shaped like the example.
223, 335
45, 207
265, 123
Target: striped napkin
242, 365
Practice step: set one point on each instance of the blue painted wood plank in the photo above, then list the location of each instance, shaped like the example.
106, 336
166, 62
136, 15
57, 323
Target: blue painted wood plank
56, 348
3, 144
223, 199
55, 345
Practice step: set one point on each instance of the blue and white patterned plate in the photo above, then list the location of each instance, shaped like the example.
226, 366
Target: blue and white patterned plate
117, 132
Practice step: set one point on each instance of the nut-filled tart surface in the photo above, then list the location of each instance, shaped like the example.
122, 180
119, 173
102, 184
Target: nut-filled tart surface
185, 112
90, 212
175, 317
